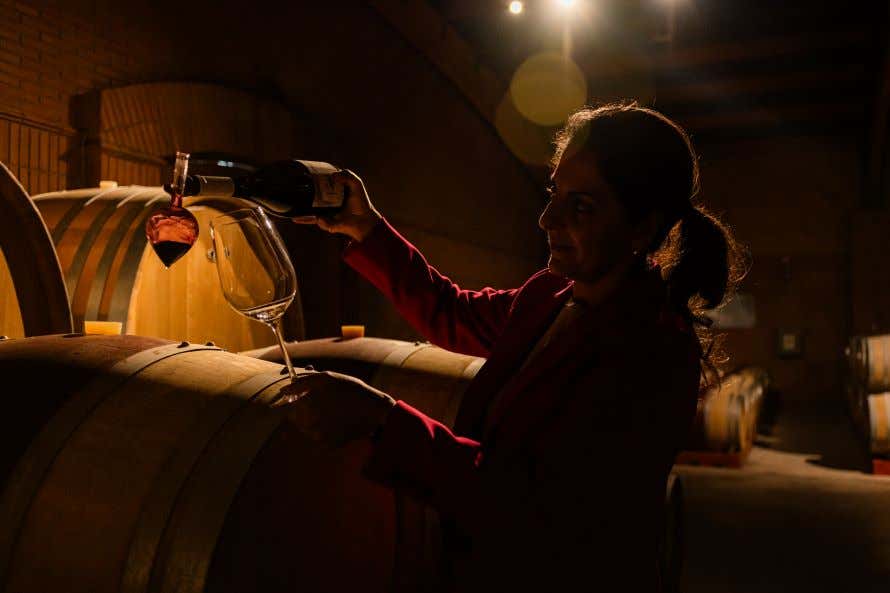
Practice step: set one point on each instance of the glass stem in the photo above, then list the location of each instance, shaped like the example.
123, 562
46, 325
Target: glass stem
276, 329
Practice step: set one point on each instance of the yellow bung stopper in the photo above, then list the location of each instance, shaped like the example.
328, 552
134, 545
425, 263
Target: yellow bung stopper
349, 332
103, 328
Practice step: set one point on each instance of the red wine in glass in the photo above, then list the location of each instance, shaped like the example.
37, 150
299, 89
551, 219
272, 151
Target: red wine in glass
173, 230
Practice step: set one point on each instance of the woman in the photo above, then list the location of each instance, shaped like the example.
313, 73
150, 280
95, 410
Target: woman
554, 476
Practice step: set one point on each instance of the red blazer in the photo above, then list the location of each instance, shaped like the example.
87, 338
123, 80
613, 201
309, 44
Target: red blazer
561, 487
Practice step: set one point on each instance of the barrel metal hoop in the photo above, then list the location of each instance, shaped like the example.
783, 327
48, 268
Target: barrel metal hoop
98, 287
123, 286
162, 500
99, 194
72, 276
879, 420
402, 353
183, 557
396, 359
31, 469
59, 230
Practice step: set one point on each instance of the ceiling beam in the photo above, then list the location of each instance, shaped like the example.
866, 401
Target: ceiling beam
769, 117
718, 89
758, 49
668, 60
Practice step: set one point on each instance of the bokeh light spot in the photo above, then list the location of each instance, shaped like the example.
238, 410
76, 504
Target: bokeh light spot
530, 142
516, 7
547, 87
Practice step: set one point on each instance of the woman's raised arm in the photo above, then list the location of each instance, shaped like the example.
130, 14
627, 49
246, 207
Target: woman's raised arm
467, 321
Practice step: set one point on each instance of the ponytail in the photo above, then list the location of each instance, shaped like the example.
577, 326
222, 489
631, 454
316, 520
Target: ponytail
702, 268
702, 264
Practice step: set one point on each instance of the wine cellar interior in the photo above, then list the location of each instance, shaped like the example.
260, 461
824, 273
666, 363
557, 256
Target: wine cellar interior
156, 460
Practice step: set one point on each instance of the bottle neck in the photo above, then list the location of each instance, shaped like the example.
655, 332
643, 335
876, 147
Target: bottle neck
220, 187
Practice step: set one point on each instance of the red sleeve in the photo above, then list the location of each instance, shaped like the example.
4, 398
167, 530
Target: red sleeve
422, 455
620, 425
466, 321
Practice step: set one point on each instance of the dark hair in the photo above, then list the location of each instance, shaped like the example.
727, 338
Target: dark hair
650, 164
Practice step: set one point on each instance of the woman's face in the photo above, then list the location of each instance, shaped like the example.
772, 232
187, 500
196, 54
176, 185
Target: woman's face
587, 228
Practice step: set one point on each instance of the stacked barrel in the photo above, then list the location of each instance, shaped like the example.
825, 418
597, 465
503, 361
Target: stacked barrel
726, 421
111, 273
868, 390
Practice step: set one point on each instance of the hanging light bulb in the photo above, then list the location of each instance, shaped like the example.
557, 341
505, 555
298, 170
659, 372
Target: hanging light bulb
515, 7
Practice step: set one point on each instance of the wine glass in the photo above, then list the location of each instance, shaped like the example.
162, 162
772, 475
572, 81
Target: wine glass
255, 272
173, 230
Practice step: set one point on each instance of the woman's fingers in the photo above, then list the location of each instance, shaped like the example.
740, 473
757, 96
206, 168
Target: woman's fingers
357, 216
330, 224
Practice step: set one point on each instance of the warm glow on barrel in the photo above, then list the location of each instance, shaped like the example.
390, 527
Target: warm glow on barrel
516, 7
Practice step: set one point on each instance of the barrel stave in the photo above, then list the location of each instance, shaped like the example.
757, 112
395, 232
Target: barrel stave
181, 477
427, 377
104, 472
40, 375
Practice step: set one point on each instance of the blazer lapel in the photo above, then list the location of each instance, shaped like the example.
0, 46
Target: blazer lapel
520, 393
529, 322
529, 397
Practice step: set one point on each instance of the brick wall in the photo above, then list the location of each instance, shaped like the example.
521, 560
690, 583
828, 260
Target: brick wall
50, 53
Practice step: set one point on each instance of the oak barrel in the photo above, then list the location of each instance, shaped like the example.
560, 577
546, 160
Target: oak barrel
726, 419
879, 423
430, 379
10, 316
427, 377
869, 359
33, 300
136, 464
111, 272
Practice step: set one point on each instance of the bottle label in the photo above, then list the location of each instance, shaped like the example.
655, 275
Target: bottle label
216, 186
328, 193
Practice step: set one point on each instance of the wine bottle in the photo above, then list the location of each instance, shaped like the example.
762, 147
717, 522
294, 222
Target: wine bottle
286, 188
